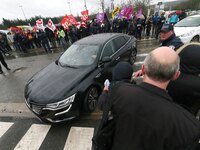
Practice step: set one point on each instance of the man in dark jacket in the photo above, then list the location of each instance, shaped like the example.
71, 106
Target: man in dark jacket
4, 63
146, 117
122, 72
186, 89
168, 37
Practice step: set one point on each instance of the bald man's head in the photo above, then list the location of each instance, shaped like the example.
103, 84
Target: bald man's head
161, 64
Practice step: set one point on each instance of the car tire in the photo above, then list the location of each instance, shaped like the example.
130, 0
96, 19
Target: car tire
91, 99
195, 39
132, 57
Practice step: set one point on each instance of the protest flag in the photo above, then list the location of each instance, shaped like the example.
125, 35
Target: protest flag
115, 11
65, 23
51, 25
139, 13
84, 15
39, 24
100, 17
122, 12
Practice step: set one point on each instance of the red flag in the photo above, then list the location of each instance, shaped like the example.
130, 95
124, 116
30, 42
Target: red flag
84, 15
65, 23
39, 23
51, 25
71, 19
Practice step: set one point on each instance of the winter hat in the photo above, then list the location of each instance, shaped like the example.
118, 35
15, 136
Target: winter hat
122, 71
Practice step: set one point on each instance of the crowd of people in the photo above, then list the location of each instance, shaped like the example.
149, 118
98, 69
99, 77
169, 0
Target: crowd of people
139, 27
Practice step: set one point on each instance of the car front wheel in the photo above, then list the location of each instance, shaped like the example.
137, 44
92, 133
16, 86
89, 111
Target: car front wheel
132, 58
91, 99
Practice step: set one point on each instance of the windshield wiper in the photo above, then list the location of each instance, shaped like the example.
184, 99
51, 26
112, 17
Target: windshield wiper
65, 65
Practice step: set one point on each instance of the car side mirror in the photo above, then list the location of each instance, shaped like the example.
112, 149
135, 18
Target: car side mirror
106, 59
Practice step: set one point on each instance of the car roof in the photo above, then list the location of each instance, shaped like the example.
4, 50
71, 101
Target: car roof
98, 39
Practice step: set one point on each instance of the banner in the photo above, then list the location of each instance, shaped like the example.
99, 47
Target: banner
122, 12
39, 24
51, 25
100, 17
84, 15
115, 11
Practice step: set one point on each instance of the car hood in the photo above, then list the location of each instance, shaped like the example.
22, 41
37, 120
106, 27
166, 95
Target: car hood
182, 30
54, 83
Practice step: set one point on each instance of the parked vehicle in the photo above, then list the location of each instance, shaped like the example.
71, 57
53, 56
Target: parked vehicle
74, 82
188, 29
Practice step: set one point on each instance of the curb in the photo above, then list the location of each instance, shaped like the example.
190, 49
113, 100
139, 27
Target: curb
21, 110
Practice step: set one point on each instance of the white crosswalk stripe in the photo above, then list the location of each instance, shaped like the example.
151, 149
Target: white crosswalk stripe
33, 138
142, 55
138, 63
79, 138
4, 126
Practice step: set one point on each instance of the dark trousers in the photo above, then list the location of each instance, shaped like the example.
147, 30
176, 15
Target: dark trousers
3, 62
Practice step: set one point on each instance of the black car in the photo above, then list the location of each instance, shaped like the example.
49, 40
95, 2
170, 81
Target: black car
74, 82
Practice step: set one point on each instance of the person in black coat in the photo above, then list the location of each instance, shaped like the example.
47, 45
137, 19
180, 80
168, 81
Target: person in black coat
122, 72
4, 63
186, 89
146, 116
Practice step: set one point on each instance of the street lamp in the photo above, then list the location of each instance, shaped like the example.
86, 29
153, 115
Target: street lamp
69, 8
23, 11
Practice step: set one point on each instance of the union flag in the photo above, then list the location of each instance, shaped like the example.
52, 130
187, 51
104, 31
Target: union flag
84, 15
51, 25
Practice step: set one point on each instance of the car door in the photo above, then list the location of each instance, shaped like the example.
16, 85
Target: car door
123, 48
105, 69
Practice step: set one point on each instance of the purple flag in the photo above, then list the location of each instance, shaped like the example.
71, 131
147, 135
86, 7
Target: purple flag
129, 12
122, 12
100, 17
139, 13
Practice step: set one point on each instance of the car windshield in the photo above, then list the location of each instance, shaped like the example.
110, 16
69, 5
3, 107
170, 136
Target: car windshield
79, 55
189, 22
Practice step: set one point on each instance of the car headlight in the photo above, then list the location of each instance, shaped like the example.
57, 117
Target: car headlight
63, 103
188, 34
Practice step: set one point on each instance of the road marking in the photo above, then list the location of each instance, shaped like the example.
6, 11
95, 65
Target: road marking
139, 63
33, 137
79, 139
142, 55
4, 126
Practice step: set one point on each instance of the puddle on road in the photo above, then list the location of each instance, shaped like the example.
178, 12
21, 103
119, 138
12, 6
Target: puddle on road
19, 69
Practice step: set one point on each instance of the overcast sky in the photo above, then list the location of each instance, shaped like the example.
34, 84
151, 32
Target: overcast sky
13, 9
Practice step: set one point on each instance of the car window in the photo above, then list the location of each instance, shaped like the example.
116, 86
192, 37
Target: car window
189, 22
119, 42
79, 55
108, 49
127, 37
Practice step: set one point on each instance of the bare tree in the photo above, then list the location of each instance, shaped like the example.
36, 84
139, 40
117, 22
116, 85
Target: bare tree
102, 3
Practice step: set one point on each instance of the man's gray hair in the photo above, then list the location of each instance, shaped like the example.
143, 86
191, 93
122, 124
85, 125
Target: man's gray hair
159, 71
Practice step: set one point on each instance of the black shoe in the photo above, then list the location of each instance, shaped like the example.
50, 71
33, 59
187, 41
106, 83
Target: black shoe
1, 72
8, 68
